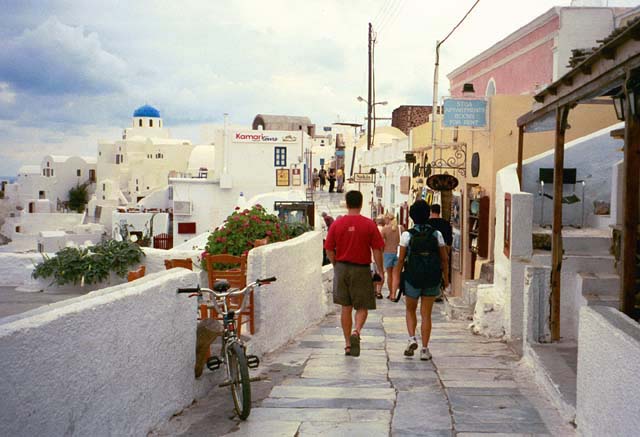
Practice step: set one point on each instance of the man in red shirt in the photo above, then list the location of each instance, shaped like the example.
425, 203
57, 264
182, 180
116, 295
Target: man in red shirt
349, 244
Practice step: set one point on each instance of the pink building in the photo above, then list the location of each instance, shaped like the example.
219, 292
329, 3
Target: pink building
537, 54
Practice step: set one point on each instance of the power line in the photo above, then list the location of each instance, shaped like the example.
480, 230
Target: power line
385, 16
392, 17
460, 22
381, 12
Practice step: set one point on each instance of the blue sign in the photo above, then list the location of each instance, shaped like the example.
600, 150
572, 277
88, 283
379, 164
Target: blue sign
465, 113
339, 152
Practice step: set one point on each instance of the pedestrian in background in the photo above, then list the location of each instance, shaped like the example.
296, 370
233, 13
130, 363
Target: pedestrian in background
332, 180
423, 250
380, 222
322, 175
315, 178
442, 225
349, 244
340, 180
391, 236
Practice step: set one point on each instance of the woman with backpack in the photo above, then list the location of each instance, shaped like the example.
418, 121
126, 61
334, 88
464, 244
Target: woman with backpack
423, 254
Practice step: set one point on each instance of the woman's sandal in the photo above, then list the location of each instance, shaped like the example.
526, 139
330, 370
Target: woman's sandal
347, 350
355, 344
379, 296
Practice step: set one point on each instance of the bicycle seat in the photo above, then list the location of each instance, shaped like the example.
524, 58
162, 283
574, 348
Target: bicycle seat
221, 285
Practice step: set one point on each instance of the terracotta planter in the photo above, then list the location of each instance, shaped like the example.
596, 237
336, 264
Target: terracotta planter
261, 242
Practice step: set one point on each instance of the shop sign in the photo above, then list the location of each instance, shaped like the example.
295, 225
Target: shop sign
296, 178
261, 137
364, 178
465, 113
282, 177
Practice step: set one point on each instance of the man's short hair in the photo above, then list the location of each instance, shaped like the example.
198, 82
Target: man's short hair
435, 208
419, 212
354, 199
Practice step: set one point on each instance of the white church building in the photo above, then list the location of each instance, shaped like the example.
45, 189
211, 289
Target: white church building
137, 165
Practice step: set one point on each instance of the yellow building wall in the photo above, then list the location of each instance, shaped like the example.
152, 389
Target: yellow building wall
498, 147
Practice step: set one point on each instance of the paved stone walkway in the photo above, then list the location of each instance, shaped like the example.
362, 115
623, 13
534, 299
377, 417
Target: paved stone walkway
473, 386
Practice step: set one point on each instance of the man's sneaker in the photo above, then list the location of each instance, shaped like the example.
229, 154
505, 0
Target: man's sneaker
425, 355
411, 347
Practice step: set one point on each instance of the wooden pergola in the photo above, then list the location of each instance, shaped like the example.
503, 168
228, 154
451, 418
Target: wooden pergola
613, 69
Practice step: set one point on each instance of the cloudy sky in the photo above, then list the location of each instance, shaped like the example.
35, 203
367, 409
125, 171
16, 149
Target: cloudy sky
72, 72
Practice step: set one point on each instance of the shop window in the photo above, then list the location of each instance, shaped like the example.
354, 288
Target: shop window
92, 175
280, 156
44, 172
41, 195
78, 172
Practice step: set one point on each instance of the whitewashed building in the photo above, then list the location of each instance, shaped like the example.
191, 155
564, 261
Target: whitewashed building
250, 162
137, 165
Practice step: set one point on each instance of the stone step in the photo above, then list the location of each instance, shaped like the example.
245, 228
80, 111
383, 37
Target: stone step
598, 283
456, 308
598, 242
603, 300
600, 264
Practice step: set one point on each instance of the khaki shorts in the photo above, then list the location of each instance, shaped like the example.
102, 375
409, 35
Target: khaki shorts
353, 286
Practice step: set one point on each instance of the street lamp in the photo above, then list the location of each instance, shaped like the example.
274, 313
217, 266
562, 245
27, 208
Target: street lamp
369, 110
434, 109
383, 103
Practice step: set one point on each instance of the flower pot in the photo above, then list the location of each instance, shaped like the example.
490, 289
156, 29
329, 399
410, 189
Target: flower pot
261, 242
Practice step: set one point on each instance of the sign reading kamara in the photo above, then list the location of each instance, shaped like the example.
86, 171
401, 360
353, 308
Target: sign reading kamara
465, 113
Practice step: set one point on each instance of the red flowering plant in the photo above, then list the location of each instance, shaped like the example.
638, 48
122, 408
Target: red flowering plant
241, 229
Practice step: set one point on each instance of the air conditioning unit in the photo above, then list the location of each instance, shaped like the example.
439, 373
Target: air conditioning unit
181, 207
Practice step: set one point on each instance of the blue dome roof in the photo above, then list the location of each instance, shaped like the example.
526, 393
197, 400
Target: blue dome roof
146, 111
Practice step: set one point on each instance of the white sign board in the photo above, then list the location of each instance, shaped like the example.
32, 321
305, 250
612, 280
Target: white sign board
364, 178
262, 137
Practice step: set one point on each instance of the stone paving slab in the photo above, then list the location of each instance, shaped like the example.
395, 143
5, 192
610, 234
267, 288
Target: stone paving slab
332, 392
325, 382
368, 429
476, 374
473, 387
319, 415
275, 428
448, 362
353, 403
420, 412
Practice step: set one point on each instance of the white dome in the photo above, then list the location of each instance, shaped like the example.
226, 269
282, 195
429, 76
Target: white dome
201, 157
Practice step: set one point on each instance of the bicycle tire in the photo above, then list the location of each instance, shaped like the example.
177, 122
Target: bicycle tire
240, 383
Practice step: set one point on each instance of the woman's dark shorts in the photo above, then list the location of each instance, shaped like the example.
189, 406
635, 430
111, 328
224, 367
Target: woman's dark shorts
353, 286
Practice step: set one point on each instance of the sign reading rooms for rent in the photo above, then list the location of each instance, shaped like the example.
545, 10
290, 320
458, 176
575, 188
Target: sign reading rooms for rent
465, 113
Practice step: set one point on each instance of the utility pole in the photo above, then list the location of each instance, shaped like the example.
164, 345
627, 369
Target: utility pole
370, 88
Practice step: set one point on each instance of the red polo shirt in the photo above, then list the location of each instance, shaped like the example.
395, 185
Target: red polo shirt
352, 237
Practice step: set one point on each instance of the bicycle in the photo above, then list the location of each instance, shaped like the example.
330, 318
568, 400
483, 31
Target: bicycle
233, 350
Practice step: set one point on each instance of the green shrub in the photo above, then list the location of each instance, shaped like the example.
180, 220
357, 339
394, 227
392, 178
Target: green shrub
242, 228
92, 265
78, 198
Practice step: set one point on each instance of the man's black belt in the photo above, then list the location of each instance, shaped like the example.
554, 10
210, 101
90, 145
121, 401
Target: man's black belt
352, 264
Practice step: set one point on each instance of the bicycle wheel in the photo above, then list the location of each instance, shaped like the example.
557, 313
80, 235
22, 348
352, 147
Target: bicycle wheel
239, 376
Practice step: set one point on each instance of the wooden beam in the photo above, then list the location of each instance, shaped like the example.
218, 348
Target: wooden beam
520, 153
556, 237
631, 183
567, 80
609, 53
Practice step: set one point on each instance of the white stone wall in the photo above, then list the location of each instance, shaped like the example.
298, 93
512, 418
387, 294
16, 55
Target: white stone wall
114, 362
16, 268
297, 299
608, 373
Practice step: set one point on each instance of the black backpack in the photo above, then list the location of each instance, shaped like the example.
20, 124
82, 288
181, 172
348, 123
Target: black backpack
422, 269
